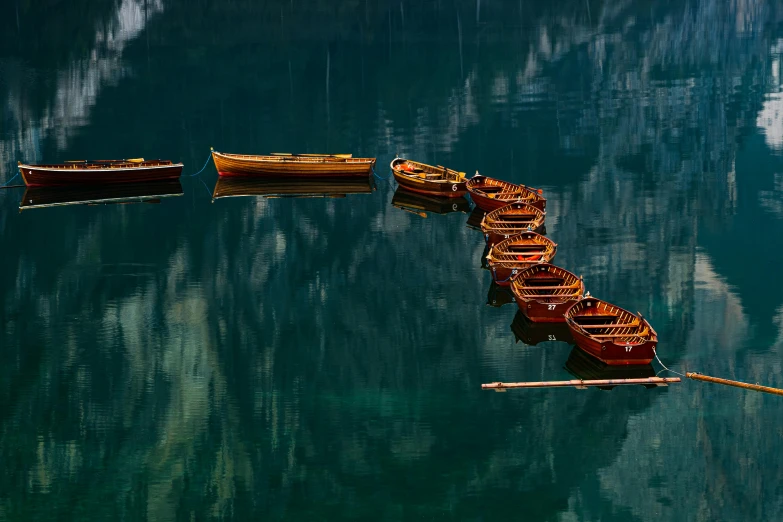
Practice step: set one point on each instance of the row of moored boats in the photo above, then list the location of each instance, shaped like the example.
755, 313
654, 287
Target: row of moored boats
519, 255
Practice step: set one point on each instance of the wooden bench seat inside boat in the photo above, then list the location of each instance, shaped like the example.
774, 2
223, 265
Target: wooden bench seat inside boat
546, 281
598, 326
641, 334
558, 287
596, 319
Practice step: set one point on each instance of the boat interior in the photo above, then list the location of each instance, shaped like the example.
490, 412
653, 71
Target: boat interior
437, 173
615, 325
104, 164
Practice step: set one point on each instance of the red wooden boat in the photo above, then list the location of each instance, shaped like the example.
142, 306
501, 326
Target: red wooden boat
511, 220
611, 334
426, 179
291, 165
490, 193
100, 172
544, 292
511, 256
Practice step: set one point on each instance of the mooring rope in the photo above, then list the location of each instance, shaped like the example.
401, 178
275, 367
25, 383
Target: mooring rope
664, 366
202, 168
379, 177
7, 183
205, 187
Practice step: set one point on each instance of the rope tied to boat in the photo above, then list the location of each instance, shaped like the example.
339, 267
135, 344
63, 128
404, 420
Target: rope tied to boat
655, 352
379, 177
8, 183
202, 168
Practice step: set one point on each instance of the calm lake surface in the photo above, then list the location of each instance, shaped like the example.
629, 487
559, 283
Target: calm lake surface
321, 359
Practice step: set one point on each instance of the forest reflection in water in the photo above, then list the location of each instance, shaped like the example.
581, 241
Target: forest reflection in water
322, 357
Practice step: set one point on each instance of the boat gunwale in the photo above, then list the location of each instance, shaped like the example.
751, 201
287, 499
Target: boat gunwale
650, 336
522, 190
444, 175
57, 167
315, 160
530, 236
518, 286
491, 222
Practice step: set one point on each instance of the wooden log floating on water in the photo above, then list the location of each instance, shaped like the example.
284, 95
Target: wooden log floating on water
755, 387
578, 383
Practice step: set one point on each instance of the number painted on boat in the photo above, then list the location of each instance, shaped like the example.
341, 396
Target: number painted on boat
513, 272
628, 348
454, 207
551, 307
454, 188
552, 337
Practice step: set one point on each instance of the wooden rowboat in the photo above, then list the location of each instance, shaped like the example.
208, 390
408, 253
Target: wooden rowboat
292, 165
511, 220
586, 367
490, 193
532, 333
509, 257
230, 187
99, 172
544, 292
426, 179
611, 334
115, 193
420, 204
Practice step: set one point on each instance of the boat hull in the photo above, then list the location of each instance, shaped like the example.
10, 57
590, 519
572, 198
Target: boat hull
615, 354
42, 176
611, 334
240, 166
584, 366
420, 186
544, 312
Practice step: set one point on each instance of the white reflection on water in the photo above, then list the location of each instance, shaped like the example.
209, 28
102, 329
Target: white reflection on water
77, 88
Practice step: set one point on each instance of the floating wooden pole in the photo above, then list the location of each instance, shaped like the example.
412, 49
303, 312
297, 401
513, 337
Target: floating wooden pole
579, 383
755, 387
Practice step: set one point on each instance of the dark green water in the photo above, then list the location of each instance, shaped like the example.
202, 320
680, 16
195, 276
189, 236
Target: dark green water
321, 359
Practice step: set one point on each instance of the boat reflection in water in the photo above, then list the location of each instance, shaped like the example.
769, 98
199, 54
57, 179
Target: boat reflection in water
584, 366
499, 295
420, 204
532, 333
475, 218
118, 193
321, 187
